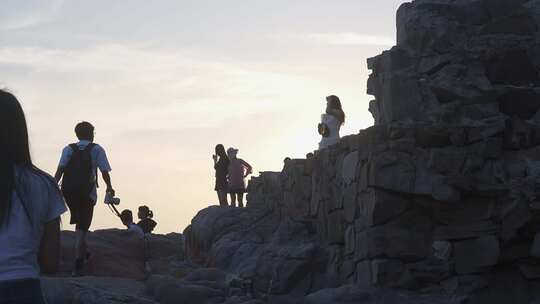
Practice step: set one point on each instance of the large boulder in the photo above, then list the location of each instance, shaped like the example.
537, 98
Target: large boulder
117, 253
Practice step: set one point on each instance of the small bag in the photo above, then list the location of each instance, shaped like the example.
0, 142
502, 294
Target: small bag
324, 130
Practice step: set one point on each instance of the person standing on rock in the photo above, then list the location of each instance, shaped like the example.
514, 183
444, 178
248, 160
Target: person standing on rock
238, 171
30, 209
78, 170
331, 122
221, 165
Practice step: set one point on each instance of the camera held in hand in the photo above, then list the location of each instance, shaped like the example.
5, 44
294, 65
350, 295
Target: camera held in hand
111, 200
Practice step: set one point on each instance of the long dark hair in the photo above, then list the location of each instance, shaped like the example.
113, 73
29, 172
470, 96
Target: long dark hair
334, 108
15, 152
220, 151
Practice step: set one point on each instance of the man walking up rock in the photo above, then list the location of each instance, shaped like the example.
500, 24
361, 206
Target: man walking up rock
78, 170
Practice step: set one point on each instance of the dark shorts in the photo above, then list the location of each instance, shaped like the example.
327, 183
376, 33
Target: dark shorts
81, 210
21, 292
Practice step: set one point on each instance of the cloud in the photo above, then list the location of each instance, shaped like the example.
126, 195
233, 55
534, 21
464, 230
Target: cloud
350, 38
163, 88
16, 14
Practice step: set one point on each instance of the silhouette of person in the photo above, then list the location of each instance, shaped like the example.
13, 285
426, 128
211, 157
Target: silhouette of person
78, 170
331, 122
30, 207
146, 222
221, 165
238, 171
126, 216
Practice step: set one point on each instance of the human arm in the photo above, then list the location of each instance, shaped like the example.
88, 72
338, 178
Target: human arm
249, 168
59, 173
49, 251
105, 168
107, 179
67, 152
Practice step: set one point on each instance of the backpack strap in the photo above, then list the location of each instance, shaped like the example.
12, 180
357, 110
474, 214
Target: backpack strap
89, 148
74, 147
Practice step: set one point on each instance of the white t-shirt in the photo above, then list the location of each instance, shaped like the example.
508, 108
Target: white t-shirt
19, 238
99, 160
333, 125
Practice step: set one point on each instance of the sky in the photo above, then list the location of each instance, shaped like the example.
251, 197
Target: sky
165, 81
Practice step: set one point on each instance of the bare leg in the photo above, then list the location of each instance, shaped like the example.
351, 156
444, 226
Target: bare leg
241, 200
80, 251
222, 195
80, 244
233, 199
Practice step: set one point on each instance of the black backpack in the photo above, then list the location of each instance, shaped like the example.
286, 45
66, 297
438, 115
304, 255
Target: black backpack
79, 179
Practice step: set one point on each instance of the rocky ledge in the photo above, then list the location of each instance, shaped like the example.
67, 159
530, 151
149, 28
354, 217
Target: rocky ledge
439, 202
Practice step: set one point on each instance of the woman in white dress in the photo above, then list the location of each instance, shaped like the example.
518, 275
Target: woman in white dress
331, 122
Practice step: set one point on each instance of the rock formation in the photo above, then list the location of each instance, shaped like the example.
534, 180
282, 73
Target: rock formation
440, 197
439, 202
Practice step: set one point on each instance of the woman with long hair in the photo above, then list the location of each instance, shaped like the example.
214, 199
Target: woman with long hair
221, 165
30, 209
331, 122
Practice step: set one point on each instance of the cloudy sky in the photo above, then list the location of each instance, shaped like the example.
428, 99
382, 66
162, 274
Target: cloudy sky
165, 81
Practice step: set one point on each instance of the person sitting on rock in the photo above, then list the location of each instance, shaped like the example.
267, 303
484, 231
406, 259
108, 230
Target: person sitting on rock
238, 171
126, 216
331, 122
146, 222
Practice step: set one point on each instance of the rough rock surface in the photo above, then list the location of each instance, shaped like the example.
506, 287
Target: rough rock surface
116, 253
439, 202
115, 270
94, 290
441, 197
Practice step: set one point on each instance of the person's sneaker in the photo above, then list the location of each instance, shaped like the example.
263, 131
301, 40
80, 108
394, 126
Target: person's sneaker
78, 269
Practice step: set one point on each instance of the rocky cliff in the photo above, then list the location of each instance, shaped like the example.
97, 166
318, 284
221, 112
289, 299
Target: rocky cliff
441, 198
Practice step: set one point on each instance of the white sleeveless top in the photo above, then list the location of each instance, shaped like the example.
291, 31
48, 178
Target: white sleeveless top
333, 125
19, 238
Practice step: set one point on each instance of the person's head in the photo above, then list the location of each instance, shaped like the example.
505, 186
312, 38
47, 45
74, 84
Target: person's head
126, 217
84, 131
333, 107
144, 212
220, 151
15, 148
232, 152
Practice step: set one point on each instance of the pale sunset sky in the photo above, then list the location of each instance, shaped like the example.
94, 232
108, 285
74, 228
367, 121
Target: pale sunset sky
165, 81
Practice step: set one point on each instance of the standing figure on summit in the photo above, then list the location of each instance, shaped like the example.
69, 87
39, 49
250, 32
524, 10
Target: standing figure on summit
238, 171
78, 171
331, 122
221, 165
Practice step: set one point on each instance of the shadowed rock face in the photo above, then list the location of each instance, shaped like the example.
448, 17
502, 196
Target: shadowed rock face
459, 63
441, 196
439, 202
116, 253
